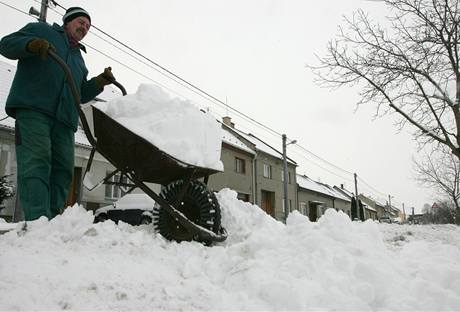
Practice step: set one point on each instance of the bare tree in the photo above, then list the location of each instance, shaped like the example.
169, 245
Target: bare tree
442, 214
411, 67
440, 171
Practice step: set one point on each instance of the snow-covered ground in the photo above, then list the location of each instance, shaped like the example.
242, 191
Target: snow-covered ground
333, 264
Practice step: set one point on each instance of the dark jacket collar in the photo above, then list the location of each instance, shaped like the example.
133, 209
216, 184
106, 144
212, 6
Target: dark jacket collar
61, 29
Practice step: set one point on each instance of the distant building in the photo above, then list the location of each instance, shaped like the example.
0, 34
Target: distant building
315, 197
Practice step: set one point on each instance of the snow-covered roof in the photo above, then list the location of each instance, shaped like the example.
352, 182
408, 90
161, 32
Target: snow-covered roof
263, 146
379, 201
231, 139
368, 205
337, 194
309, 184
344, 191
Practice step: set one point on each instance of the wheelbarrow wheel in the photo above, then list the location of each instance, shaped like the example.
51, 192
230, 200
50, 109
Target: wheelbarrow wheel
198, 204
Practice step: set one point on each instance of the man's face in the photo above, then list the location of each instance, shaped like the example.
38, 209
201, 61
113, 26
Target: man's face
78, 27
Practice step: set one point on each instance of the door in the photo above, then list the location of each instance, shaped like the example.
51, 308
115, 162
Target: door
313, 212
268, 202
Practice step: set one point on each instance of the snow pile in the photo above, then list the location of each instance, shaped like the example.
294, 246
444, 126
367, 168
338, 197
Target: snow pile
173, 125
333, 264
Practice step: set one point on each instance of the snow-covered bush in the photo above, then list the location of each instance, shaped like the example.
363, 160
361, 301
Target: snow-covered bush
6, 188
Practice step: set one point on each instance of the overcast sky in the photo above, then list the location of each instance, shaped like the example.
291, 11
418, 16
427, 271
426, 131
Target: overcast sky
253, 55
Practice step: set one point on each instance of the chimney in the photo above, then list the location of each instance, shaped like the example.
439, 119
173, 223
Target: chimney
228, 121
341, 186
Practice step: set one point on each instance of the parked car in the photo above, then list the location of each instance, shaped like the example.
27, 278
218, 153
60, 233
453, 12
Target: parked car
134, 209
385, 219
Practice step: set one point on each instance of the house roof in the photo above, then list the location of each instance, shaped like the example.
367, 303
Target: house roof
309, 184
366, 203
262, 146
344, 191
231, 139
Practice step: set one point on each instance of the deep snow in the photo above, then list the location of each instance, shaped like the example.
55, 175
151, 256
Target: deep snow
333, 264
173, 125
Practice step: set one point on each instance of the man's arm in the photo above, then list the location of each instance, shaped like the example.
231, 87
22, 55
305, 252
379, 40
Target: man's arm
89, 90
14, 46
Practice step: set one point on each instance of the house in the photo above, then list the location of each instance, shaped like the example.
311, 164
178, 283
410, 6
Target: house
263, 168
238, 158
369, 207
370, 210
315, 197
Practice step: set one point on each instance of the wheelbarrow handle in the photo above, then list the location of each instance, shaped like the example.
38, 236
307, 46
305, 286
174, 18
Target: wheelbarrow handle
76, 94
116, 83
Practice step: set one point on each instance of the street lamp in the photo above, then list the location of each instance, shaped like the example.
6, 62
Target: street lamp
285, 176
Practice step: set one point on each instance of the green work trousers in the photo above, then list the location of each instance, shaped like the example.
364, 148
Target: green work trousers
45, 159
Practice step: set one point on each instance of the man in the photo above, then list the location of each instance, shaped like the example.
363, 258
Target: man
41, 101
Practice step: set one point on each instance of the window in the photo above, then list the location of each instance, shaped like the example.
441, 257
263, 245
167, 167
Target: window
267, 171
303, 208
290, 205
114, 191
243, 196
240, 165
289, 176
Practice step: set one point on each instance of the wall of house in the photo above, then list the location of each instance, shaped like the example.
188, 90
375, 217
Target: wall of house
343, 205
8, 167
229, 178
309, 197
275, 183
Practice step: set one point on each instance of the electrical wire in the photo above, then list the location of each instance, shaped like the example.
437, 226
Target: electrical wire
14, 8
320, 158
371, 187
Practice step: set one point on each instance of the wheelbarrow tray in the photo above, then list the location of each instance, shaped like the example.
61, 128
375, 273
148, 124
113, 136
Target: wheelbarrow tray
128, 151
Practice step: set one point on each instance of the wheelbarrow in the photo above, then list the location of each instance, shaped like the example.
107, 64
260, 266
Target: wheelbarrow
185, 209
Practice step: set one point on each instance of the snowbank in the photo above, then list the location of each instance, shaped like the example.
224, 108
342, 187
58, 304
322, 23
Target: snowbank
173, 125
333, 264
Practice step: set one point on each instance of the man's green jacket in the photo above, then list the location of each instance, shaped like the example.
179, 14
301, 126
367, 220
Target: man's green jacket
39, 84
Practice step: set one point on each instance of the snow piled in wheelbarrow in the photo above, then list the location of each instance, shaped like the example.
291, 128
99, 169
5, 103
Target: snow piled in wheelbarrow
69, 263
175, 126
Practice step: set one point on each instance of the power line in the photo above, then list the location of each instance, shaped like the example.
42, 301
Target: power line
14, 8
371, 187
322, 159
323, 168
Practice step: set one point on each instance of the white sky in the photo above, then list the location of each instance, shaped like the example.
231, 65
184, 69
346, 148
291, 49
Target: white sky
252, 54
334, 264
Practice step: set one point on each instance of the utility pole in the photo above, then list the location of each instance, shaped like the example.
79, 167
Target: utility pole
43, 10
285, 177
389, 203
358, 212
404, 213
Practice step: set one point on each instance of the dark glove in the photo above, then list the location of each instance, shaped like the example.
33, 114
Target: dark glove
40, 47
105, 78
